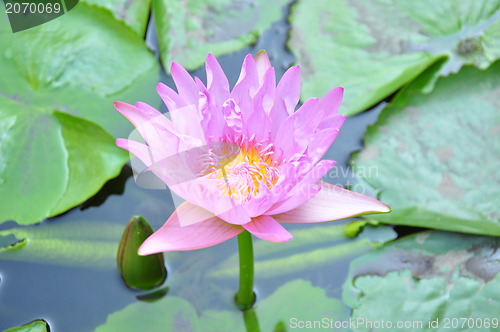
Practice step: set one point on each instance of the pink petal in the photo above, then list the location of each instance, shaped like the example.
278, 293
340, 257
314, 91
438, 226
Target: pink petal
187, 121
151, 124
217, 83
266, 228
205, 230
288, 90
258, 122
320, 143
187, 88
248, 81
171, 99
246, 87
229, 211
305, 121
259, 204
304, 190
262, 64
145, 153
329, 106
153, 160
332, 203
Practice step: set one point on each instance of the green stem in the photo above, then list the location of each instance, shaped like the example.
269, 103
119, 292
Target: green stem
251, 320
245, 296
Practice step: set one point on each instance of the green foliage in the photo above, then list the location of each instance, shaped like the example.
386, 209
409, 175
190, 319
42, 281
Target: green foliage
189, 30
428, 277
373, 48
35, 326
135, 14
437, 154
58, 84
292, 300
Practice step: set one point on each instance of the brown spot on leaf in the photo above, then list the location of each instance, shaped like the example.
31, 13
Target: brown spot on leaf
480, 262
485, 264
444, 153
402, 146
449, 188
370, 152
397, 260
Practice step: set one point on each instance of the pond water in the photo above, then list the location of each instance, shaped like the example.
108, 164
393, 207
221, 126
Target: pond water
74, 290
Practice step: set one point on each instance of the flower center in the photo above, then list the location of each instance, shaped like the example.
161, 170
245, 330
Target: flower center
244, 175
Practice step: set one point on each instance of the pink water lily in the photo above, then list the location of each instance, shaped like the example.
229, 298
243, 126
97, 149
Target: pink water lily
272, 177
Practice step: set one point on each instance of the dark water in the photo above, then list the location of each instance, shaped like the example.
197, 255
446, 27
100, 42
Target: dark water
80, 298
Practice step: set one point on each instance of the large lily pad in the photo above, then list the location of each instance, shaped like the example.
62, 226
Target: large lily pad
171, 313
295, 304
57, 88
434, 281
436, 155
372, 48
135, 14
188, 30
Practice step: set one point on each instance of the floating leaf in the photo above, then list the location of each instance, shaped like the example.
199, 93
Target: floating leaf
10, 242
437, 154
428, 277
82, 244
140, 272
171, 313
292, 304
297, 304
58, 84
188, 30
35, 326
374, 48
135, 14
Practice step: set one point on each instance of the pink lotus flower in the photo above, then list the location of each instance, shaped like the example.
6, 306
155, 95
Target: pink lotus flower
272, 177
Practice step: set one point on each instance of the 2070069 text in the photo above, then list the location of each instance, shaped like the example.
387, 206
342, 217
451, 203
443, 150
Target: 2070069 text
32, 8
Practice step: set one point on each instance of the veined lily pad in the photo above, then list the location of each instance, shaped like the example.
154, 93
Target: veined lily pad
373, 48
432, 281
437, 154
188, 30
135, 14
57, 88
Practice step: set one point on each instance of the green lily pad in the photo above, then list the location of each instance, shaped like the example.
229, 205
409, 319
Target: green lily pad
35, 326
188, 31
171, 313
135, 14
373, 48
297, 305
434, 281
436, 155
294, 304
84, 243
11, 242
58, 84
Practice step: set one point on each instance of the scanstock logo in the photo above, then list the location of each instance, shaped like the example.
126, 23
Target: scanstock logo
25, 14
